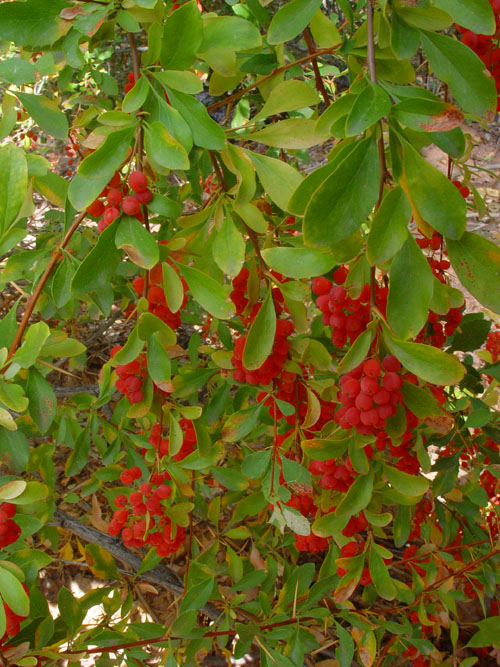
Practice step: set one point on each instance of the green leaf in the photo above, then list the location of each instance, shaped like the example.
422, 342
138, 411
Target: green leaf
287, 96
357, 352
419, 401
291, 19
17, 71
324, 30
293, 133
475, 15
172, 287
13, 593
158, 361
182, 37
476, 261
260, 338
357, 497
380, 576
345, 650
278, 178
229, 248
389, 229
165, 207
70, 609
436, 199
409, 485
184, 81
322, 450
296, 521
12, 489
369, 107
344, 200
53, 187
150, 324
101, 562
206, 132
78, 458
13, 184
233, 32
298, 262
410, 290
459, 67
488, 633
427, 362
163, 149
136, 96
139, 244
42, 400
103, 163
15, 447
239, 425
62, 279
34, 339
32, 23
426, 18
210, 294
104, 255
46, 114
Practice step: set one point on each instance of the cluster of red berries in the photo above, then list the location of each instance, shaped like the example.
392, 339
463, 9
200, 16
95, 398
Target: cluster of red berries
369, 395
272, 366
131, 377
304, 503
462, 188
439, 327
239, 296
348, 317
493, 345
487, 46
141, 518
334, 474
118, 200
9, 530
162, 445
157, 302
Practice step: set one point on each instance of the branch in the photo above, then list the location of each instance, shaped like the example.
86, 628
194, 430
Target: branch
320, 85
370, 55
32, 301
300, 61
161, 574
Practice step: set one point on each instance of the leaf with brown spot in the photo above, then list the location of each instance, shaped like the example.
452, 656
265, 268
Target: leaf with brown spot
445, 121
442, 424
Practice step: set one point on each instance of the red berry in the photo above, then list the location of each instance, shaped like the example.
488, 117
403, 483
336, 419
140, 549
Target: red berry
144, 196
138, 181
114, 197
111, 214
130, 206
321, 285
369, 386
390, 363
371, 367
96, 209
391, 381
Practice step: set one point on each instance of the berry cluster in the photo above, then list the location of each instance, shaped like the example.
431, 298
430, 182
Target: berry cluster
141, 518
272, 366
334, 474
162, 445
493, 345
487, 46
131, 377
303, 502
369, 395
347, 316
119, 200
9, 530
157, 302
439, 327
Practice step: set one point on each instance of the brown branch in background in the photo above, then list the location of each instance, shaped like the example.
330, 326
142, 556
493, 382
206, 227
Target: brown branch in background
320, 84
218, 171
136, 66
370, 55
283, 68
32, 301
161, 574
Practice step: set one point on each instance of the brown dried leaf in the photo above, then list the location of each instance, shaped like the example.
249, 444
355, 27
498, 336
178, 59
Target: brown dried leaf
147, 588
445, 121
442, 424
256, 559
70, 13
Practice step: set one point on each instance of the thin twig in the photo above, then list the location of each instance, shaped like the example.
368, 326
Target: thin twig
283, 68
320, 84
32, 301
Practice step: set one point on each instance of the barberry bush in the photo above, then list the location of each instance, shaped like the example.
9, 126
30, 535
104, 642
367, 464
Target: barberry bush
244, 374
